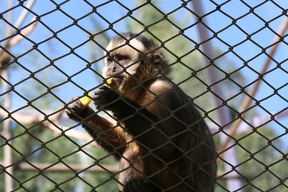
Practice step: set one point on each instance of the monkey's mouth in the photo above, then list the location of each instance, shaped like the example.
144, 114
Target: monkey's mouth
117, 80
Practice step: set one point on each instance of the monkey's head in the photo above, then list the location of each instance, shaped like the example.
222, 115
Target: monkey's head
131, 59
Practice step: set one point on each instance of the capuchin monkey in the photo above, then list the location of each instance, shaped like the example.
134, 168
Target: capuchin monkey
159, 138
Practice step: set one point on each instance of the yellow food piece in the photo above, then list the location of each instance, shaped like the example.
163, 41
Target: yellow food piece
85, 101
109, 82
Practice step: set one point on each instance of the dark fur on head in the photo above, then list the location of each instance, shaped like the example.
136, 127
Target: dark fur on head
148, 43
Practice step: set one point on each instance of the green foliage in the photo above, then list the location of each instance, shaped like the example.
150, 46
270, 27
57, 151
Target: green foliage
262, 160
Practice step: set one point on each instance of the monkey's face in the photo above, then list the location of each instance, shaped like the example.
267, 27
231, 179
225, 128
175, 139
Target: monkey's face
122, 60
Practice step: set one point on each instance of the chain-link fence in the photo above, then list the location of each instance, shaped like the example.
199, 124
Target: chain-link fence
229, 57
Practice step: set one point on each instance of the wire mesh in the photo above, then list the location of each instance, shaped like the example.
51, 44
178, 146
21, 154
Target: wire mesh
229, 57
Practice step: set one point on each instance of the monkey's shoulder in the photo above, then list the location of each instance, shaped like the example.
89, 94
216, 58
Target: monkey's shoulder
160, 87
156, 93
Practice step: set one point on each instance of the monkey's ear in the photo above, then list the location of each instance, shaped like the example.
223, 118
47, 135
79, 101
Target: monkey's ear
156, 58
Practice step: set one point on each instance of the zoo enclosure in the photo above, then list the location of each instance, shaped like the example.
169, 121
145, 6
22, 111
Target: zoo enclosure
25, 116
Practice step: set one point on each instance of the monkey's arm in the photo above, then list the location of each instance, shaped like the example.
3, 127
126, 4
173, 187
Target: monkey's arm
143, 125
107, 135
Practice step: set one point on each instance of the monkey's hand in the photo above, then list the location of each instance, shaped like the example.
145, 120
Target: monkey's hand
75, 110
121, 106
106, 98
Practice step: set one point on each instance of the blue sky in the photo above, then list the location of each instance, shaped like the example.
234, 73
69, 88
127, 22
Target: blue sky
218, 20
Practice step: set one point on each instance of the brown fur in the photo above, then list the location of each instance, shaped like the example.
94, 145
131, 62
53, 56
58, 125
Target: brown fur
184, 164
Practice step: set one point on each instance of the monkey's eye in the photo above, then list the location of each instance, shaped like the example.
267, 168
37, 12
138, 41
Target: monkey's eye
121, 58
109, 59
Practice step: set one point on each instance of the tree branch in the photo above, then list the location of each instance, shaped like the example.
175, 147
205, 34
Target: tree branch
25, 32
248, 99
33, 119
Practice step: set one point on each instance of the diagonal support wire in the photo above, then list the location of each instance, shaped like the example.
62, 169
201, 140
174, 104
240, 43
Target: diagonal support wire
248, 99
